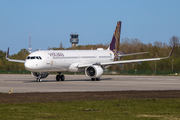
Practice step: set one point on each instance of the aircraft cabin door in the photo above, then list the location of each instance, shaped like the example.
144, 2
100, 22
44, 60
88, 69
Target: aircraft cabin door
48, 61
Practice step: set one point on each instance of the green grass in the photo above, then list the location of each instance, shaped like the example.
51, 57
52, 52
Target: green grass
140, 109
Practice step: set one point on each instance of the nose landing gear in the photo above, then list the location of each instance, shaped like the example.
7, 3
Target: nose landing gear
39, 78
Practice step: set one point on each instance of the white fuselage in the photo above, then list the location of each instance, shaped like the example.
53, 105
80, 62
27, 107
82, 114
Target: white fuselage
65, 60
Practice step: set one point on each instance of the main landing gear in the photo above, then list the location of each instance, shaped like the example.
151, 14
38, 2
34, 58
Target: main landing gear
60, 77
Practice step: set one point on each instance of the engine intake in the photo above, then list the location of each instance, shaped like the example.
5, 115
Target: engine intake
94, 71
43, 75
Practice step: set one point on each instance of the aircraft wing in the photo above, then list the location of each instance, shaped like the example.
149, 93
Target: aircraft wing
119, 62
20, 61
12, 60
124, 61
129, 61
133, 54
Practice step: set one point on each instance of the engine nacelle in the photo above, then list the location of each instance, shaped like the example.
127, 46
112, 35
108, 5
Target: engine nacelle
94, 71
36, 74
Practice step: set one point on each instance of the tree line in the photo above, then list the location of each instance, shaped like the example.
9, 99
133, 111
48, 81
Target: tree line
13, 66
157, 49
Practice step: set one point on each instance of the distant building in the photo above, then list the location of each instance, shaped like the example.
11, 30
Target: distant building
74, 39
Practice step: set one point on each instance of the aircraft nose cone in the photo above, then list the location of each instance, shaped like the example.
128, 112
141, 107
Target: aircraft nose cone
28, 66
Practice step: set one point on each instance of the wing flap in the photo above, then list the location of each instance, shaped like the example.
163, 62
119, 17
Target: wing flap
133, 54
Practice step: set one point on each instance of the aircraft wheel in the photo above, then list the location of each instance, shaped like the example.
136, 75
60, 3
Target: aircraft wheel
38, 80
93, 79
62, 77
97, 79
57, 78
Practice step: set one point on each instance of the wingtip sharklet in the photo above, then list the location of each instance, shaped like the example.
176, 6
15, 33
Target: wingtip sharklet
7, 54
12, 60
171, 51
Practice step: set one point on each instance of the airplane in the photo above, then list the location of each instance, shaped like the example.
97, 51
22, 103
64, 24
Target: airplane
93, 62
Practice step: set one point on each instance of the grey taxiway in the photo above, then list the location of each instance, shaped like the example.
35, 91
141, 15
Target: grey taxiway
73, 83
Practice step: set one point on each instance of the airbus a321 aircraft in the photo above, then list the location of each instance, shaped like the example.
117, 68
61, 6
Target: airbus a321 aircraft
40, 63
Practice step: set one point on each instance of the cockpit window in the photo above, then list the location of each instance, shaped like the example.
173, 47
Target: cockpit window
34, 57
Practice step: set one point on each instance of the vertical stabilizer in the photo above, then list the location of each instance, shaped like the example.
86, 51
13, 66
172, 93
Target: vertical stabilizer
114, 45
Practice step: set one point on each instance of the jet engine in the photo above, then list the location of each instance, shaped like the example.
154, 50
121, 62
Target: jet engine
43, 74
94, 71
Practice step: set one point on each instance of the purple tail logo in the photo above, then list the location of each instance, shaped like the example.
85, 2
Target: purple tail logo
114, 45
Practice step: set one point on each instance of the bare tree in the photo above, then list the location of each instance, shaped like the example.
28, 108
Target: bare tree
158, 44
174, 41
49, 48
165, 45
61, 46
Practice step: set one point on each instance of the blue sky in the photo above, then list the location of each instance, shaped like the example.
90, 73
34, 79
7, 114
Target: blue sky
52, 21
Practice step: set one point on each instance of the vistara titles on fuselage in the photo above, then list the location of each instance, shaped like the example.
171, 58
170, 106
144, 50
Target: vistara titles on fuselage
93, 62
